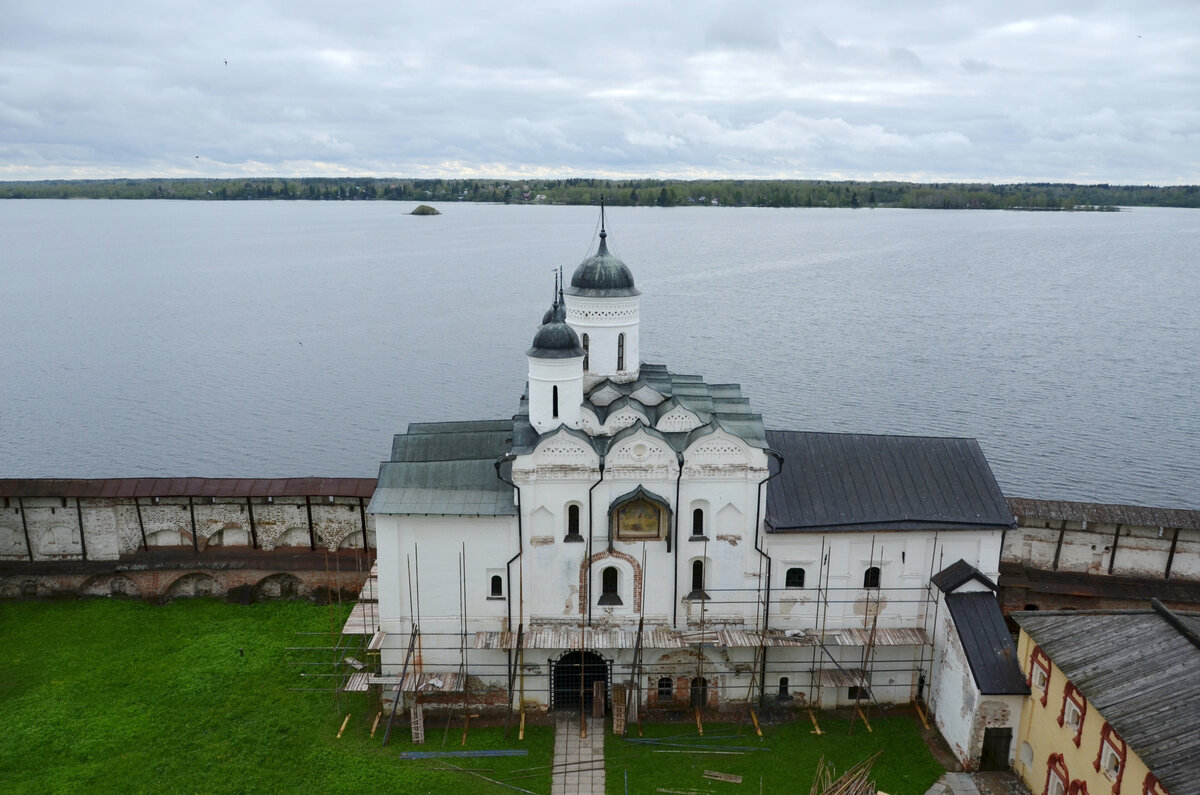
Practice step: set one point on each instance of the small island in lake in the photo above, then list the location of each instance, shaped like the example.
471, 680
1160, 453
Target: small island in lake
425, 209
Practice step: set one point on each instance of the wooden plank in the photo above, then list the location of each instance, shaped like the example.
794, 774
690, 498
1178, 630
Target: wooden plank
816, 727
347, 720
715, 776
375, 725
464, 754
864, 719
618, 714
416, 723
699, 751
921, 713
521, 733
466, 725
598, 688
754, 718
699, 725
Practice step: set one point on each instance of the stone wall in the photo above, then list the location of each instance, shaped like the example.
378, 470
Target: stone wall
166, 538
1071, 555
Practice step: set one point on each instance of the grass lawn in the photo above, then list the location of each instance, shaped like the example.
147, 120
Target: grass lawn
117, 696
905, 768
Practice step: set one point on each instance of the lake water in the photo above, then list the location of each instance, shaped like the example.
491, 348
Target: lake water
293, 339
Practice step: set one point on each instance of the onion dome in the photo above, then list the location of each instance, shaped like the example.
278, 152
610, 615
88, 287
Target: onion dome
557, 313
602, 275
555, 339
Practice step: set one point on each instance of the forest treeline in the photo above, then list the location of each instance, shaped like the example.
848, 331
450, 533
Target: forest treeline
628, 192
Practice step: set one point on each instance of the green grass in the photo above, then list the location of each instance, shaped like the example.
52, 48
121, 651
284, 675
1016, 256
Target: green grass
116, 696
787, 763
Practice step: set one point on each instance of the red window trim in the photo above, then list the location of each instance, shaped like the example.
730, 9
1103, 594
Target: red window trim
1039, 659
1056, 766
1151, 786
1109, 736
1071, 694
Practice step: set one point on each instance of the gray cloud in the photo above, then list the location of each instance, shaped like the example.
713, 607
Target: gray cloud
988, 91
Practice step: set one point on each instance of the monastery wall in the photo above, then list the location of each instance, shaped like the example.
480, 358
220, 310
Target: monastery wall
1093, 555
1061, 554
162, 538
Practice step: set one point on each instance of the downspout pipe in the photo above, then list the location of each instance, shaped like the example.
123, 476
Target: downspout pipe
501, 461
675, 560
591, 528
762, 678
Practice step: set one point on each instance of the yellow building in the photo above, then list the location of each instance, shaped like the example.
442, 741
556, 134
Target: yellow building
1114, 704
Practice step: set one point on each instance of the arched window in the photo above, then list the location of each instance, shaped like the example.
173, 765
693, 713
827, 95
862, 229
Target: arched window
585, 352
698, 522
794, 578
554, 406
1056, 775
610, 579
697, 581
664, 688
783, 688
497, 588
573, 523
620, 352
871, 577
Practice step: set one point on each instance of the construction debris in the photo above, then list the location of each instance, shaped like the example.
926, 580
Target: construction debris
855, 781
463, 754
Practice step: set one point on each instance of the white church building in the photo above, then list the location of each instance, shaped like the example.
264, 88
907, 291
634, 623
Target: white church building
637, 532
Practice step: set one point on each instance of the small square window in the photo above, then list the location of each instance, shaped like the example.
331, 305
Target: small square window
1110, 761
1072, 717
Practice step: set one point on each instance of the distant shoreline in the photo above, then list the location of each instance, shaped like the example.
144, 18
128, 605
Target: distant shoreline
629, 193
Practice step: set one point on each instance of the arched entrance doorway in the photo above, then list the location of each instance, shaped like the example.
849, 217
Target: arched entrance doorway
573, 677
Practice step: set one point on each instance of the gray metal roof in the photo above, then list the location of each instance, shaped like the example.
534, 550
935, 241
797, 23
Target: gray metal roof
1059, 510
958, 574
555, 340
447, 469
602, 275
843, 481
1143, 677
127, 488
716, 405
987, 644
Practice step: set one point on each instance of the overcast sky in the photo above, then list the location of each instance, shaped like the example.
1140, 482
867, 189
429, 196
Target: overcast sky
990, 91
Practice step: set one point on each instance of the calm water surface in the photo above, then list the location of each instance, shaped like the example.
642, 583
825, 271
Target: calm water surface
292, 338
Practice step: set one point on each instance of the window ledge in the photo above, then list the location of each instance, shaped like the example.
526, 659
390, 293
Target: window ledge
609, 599
496, 598
697, 538
573, 538
696, 596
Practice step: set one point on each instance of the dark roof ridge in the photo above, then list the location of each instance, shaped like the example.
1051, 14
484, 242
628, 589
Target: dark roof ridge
1173, 620
877, 435
958, 574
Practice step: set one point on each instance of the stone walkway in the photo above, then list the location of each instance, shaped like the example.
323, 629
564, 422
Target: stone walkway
1004, 783
954, 784
578, 763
